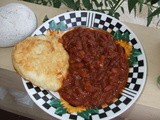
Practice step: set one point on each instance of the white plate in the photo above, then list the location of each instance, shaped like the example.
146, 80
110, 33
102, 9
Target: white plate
136, 77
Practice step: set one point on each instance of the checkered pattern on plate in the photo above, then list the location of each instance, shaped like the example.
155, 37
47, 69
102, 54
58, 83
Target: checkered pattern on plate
136, 77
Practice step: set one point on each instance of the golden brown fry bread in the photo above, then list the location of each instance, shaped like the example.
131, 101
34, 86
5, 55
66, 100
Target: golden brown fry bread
41, 60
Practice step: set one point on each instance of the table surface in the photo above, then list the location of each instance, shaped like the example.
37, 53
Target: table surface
149, 38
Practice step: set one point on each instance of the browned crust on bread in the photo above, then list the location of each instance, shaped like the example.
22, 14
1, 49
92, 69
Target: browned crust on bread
41, 60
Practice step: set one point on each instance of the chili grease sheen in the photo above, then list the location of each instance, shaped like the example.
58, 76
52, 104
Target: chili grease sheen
98, 68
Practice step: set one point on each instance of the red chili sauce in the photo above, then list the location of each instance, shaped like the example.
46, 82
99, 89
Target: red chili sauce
98, 68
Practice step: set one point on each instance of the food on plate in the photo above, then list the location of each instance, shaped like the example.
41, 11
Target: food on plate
86, 66
41, 60
98, 68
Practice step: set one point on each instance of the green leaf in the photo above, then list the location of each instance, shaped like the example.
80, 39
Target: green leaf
116, 15
159, 3
126, 36
56, 3
84, 114
60, 111
149, 19
158, 80
44, 2
122, 9
132, 60
135, 10
56, 103
156, 12
98, 4
110, 4
154, 1
52, 25
106, 3
136, 52
132, 4
87, 4
140, 6
45, 18
61, 26
117, 35
114, 1
70, 4
93, 111
111, 12
141, 3
78, 5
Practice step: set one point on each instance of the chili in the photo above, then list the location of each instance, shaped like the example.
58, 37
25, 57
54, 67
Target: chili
98, 68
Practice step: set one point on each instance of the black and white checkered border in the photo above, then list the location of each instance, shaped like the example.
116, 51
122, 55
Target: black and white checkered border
44, 97
40, 95
136, 75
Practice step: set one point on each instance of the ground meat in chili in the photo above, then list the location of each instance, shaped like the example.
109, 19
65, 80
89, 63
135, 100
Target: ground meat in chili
98, 68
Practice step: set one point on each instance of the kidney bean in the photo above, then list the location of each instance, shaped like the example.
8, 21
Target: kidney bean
98, 68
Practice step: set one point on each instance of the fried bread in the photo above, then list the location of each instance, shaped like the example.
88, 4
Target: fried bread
42, 60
